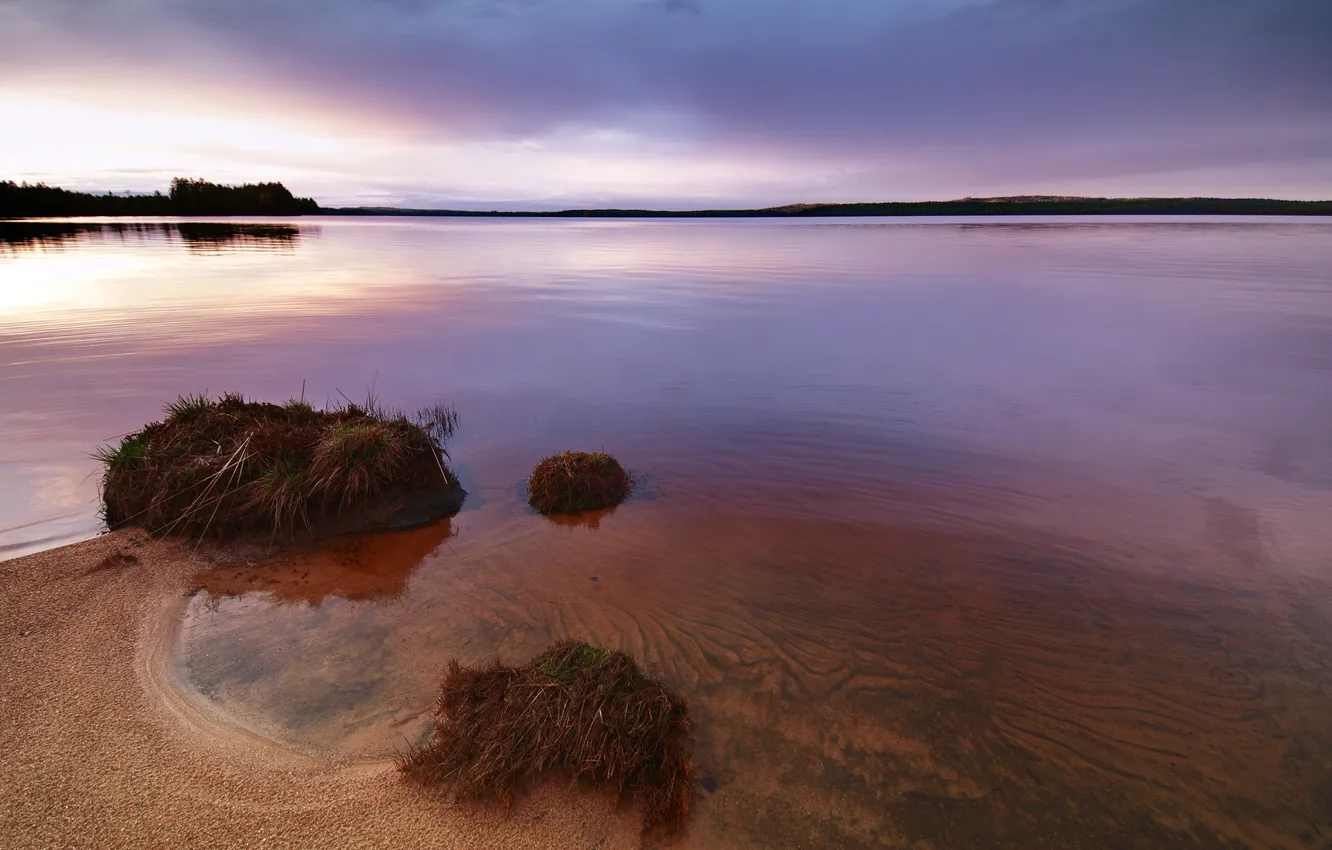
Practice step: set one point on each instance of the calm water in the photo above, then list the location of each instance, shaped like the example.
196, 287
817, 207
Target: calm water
957, 533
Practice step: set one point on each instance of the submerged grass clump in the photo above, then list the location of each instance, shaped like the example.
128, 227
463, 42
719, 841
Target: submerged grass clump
227, 466
577, 481
576, 709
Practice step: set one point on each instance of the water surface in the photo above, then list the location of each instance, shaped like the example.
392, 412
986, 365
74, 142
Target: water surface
956, 533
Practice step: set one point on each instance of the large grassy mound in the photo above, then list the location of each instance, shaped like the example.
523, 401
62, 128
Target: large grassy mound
228, 466
575, 709
577, 481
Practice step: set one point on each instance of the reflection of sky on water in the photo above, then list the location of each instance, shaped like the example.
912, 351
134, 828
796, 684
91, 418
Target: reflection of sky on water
1165, 354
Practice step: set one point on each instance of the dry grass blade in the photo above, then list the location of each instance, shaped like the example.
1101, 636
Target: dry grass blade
575, 709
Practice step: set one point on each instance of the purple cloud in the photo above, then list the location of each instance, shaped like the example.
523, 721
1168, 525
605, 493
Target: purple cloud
976, 92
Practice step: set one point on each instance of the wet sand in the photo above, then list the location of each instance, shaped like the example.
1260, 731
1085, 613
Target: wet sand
101, 750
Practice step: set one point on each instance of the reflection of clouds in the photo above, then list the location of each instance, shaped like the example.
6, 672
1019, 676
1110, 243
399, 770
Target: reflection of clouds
61, 487
47, 287
135, 290
43, 506
96, 283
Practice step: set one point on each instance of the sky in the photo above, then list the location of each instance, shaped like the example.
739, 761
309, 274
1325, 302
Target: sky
541, 104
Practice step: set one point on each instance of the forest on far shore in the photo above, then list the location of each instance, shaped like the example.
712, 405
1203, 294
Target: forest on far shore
187, 197
202, 198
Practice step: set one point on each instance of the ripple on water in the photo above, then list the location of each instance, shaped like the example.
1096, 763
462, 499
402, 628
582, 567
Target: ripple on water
855, 683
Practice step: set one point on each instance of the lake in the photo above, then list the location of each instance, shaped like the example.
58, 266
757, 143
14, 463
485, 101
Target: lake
955, 532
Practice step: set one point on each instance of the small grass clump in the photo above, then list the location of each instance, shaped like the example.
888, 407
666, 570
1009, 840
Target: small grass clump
577, 481
228, 466
576, 709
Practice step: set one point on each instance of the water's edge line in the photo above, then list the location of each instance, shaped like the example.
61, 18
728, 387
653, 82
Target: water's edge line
160, 633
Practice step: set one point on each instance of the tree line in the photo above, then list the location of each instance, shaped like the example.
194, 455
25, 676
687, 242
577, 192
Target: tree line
188, 197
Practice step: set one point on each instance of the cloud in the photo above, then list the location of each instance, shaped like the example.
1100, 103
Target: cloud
994, 90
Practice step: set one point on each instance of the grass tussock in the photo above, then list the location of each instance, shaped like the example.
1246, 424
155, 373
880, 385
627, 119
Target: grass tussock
228, 466
577, 481
576, 709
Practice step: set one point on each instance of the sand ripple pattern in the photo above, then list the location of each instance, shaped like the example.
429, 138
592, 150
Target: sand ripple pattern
864, 686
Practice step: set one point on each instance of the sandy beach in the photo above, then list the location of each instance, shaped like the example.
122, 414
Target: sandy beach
101, 749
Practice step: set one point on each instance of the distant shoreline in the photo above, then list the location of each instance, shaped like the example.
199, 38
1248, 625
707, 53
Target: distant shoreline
193, 198
964, 207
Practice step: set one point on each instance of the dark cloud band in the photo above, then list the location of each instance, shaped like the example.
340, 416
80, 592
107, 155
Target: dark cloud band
1022, 85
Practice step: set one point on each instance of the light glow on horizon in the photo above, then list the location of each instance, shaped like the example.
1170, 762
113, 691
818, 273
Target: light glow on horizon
115, 148
143, 146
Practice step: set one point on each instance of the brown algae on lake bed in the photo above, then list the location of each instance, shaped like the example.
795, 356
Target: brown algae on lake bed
852, 685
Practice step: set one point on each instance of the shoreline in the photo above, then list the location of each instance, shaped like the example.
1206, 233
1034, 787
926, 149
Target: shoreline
997, 207
104, 749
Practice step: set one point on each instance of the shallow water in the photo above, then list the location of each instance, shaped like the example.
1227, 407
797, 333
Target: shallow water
958, 532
